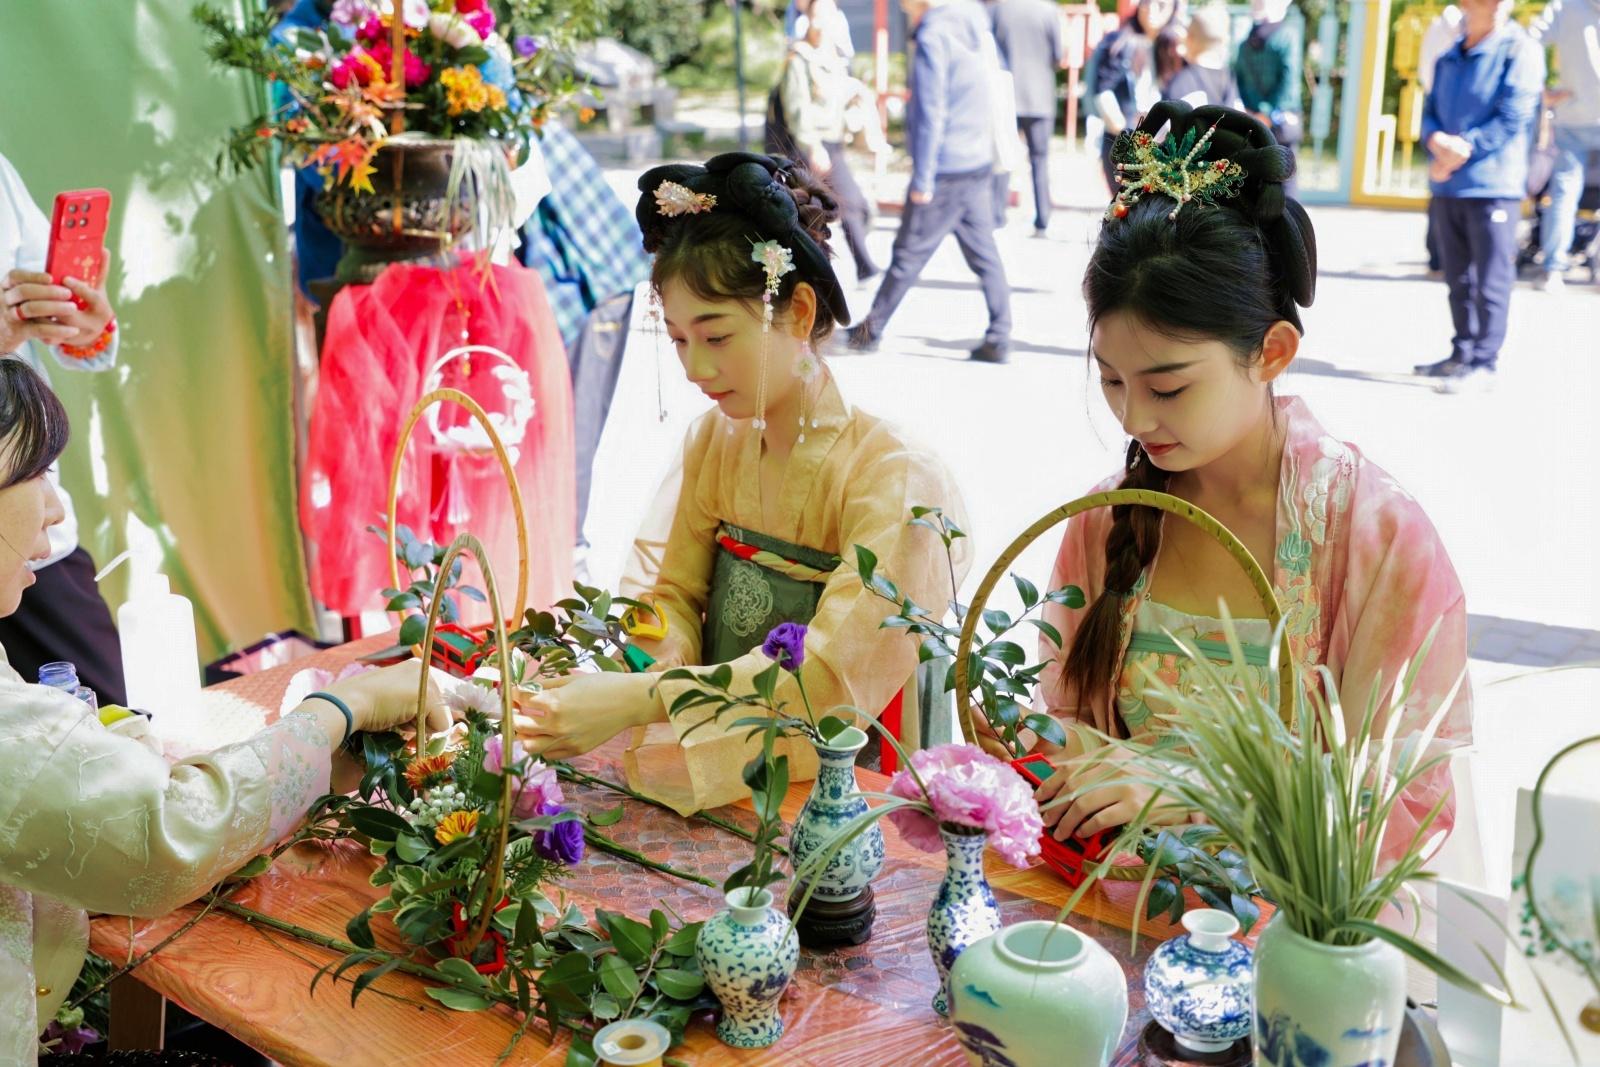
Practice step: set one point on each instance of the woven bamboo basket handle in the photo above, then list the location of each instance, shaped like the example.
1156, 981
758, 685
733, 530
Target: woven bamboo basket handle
506, 468
1149, 498
468, 543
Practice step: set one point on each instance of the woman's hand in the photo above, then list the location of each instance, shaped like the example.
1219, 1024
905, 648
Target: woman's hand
76, 307
1108, 799
387, 698
572, 715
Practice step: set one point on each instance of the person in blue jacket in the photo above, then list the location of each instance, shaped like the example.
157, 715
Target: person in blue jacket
1477, 121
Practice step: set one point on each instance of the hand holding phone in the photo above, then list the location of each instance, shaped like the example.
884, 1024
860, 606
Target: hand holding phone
65, 304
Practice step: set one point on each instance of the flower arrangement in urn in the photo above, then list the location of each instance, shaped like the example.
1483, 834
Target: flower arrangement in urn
444, 69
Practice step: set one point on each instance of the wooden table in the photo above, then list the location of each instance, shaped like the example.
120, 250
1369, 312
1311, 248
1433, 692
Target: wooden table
865, 1006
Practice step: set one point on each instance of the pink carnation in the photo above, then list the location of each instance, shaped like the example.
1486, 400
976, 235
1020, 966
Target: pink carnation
481, 20
537, 788
352, 68
969, 787
537, 785
371, 30
416, 70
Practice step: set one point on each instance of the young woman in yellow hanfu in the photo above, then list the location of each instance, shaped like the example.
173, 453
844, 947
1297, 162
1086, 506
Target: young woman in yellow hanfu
777, 485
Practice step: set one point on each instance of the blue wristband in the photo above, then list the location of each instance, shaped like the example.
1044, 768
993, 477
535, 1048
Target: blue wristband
349, 717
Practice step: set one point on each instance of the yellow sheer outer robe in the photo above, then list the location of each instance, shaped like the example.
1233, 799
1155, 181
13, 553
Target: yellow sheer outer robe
93, 820
852, 481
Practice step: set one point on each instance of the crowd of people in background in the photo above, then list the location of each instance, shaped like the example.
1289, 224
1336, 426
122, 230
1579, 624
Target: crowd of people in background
1500, 127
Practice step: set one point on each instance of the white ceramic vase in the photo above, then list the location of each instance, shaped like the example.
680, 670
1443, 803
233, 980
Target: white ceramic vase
1329, 1005
748, 952
1038, 994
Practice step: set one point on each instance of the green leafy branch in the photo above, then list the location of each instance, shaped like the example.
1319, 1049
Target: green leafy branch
998, 670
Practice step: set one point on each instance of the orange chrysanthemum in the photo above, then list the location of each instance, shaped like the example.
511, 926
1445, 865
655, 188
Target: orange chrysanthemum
455, 825
426, 771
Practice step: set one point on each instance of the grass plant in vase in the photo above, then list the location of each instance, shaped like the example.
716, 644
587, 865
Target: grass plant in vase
1307, 802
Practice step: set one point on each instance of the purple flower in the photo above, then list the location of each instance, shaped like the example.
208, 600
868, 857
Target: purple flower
68, 1041
526, 45
786, 645
563, 841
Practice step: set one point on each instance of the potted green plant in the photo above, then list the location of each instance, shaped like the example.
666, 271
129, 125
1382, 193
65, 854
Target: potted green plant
1307, 800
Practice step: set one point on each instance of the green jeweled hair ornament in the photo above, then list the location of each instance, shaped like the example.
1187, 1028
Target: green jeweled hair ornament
1169, 168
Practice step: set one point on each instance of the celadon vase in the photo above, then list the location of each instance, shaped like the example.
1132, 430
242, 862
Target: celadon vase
834, 801
964, 909
1330, 1005
1038, 994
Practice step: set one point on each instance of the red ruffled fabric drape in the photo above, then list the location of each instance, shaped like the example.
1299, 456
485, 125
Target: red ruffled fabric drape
382, 339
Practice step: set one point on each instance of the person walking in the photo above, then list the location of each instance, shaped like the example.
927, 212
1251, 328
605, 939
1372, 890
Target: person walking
1125, 84
1477, 123
950, 135
1207, 77
1267, 67
812, 96
1028, 34
1573, 28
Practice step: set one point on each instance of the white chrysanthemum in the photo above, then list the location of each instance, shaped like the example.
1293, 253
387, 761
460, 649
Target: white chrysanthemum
469, 696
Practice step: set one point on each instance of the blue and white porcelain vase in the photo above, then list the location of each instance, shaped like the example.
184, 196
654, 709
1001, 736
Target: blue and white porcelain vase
1197, 985
1038, 994
1332, 1005
964, 909
748, 952
834, 801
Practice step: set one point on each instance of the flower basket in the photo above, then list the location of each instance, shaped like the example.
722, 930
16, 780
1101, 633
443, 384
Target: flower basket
1148, 498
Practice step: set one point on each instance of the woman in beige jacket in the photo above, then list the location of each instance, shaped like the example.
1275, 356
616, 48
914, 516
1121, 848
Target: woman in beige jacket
91, 820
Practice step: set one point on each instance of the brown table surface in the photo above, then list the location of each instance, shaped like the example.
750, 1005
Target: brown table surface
866, 1006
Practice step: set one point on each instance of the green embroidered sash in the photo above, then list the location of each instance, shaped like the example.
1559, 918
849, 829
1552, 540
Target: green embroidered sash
758, 582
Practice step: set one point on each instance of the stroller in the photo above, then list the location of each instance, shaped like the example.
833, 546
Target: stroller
1585, 250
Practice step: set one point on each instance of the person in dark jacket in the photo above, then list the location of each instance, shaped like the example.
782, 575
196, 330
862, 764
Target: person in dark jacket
1125, 83
1267, 68
1476, 123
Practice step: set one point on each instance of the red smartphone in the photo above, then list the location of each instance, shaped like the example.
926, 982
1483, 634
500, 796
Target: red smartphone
1067, 858
78, 236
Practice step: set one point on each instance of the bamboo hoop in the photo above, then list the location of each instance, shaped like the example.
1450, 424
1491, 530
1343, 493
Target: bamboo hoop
468, 543
1149, 498
506, 468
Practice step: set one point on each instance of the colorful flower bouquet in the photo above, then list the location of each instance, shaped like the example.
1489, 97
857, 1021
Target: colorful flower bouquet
449, 69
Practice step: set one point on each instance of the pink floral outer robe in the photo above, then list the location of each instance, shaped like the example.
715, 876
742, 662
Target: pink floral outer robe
1361, 576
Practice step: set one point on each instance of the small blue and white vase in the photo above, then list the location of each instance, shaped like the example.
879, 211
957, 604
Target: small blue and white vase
1198, 985
748, 952
964, 909
834, 801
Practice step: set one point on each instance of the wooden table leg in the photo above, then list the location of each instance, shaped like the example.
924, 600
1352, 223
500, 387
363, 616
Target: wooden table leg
138, 1016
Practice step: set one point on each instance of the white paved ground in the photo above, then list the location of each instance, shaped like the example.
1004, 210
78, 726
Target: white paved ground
1509, 476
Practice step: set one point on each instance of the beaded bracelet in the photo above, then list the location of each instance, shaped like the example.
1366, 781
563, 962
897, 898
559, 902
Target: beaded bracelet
93, 348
